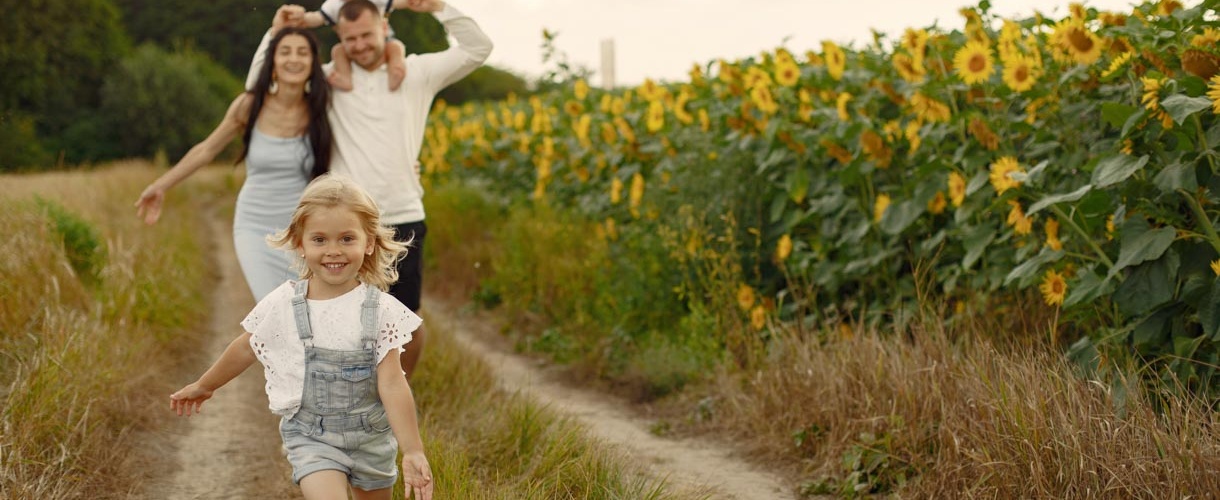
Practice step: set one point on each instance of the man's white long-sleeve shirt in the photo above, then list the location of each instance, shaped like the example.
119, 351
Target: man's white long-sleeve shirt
378, 133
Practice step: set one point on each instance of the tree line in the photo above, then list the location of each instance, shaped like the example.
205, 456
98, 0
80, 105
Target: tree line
92, 80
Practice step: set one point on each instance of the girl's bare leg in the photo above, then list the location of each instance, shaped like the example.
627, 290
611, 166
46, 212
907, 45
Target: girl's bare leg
325, 485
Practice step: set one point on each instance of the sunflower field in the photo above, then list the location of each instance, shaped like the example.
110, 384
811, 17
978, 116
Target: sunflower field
1072, 160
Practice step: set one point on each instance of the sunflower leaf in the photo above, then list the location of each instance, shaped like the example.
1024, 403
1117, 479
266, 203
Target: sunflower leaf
1117, 113
1144, 246
1175, 177
1149, 286
1116, 169
1059, 198
1180, 107
1031, 267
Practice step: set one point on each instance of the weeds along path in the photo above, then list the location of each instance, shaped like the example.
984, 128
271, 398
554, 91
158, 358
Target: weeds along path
232, 449
690, 465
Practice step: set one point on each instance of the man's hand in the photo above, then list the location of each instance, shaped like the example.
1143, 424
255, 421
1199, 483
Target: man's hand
423, 5
288, 15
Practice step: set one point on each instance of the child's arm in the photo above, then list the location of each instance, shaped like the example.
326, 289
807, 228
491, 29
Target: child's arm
400, 410
236, 358
313, 19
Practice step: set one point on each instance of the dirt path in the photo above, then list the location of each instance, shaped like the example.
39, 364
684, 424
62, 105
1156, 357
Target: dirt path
232, 448
689, 464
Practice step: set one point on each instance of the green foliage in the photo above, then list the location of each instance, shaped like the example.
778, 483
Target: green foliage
19, 144
485, 83
53, 58
81, 241
157, 100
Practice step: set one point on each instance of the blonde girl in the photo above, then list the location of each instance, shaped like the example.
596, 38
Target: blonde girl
324, 340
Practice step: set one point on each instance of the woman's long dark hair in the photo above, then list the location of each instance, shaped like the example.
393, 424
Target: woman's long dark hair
317, 99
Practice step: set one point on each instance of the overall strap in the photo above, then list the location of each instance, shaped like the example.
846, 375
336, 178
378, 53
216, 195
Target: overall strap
368, 316
300, 312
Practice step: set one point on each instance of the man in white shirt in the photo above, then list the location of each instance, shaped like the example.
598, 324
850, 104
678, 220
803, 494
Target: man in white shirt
378, 132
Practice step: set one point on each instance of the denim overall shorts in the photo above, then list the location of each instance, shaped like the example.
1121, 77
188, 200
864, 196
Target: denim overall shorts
341, 424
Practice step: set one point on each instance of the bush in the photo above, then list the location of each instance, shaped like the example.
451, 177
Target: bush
164, 101
19, 145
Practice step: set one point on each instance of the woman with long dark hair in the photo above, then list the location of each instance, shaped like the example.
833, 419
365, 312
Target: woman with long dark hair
286, 143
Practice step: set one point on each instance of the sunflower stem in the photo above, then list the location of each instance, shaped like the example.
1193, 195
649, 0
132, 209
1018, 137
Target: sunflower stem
1211, 161
1201, 218
1105, 259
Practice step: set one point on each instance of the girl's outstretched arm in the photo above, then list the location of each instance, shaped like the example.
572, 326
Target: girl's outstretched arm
400, 410
236, 358
231, 126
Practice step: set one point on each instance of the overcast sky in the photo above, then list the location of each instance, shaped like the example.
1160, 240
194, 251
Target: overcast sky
661, 39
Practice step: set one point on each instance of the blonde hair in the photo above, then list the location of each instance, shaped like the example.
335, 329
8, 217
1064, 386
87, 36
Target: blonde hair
329, 191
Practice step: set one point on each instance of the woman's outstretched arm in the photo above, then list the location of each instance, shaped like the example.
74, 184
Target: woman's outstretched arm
231, 126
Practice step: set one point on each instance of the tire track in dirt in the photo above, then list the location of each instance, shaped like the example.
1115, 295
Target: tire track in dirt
690, 465
232, 449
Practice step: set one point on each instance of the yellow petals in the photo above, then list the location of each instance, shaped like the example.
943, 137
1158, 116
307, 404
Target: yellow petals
1053, 288
1000, 179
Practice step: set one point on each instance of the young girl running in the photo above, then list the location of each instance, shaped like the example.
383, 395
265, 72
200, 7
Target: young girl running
323, 341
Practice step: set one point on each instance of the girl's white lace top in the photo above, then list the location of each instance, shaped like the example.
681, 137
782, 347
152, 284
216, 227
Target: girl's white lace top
335, 324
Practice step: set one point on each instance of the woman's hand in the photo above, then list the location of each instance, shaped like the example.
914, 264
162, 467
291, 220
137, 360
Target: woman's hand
190, 399
417, 474
150, 202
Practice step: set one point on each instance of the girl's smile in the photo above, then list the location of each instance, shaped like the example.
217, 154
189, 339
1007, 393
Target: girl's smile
334, 246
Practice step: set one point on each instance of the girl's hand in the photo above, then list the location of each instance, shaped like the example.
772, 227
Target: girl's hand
417, 474
149, 204
191, 398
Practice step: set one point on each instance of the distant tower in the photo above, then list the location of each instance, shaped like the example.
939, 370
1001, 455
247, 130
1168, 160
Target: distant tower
608, 63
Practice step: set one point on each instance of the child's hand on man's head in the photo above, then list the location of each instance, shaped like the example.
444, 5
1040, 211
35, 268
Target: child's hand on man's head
288, 16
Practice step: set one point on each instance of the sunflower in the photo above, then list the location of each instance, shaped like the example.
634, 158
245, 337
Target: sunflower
1052, 235
957, 188
1110, 227
1152, 101
656, 116
1209, 38
787, 73
758, 317
1117, 64
637, 194
836, 61
1020, 73
915, 41
973, 63
929, 109
937, 204
1166, 7
745, 296
1076, 41
911, 132
705, 122
909, 68
1053, 287
624, 129
1213, 93
573, 108
879, 206
582, 130
608, 133
999, 174
581, 89
980, 130
1215, 265
841, 106
836, 151
1021, 223
874, 146
783, 248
